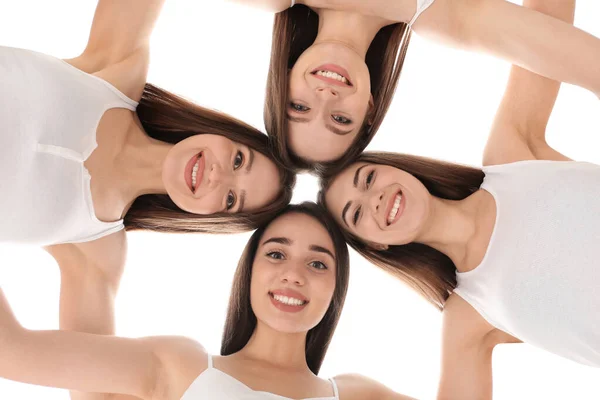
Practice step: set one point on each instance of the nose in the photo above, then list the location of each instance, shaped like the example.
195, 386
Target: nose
375, 202
217, 176
327, 92
293, 274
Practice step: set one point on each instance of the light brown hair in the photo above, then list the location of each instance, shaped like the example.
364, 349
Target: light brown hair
170, 118
294, 31
241, 320
425, 269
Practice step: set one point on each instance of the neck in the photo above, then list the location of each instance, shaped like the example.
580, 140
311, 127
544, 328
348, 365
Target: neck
138, 165
354, 30
286, 351
453, 226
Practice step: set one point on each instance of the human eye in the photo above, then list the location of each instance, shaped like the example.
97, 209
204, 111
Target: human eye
318, 265
238, 161
230, 200
369, 179
356, 216
340, 119
299, 107
276, 255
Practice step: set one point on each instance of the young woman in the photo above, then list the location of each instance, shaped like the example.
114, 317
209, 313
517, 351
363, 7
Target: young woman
334, 66
508, 252
287, 297
82, 161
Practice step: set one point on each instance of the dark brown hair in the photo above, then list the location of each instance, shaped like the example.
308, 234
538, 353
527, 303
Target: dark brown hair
171, 119
294, 31
425, 269
241, 320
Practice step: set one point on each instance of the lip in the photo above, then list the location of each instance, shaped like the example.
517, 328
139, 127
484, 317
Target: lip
288, 293
188, 171
391, 204
333, 68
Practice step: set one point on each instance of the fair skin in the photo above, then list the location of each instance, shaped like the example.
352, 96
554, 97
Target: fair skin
460, 229
497, 27
128, 163
157, 368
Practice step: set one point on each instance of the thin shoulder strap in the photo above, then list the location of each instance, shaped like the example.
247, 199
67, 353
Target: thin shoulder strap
422, 5
210, 361
336, 393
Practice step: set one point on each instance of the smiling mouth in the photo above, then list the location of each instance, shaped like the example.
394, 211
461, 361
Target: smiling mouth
394, 209
194, 171
333, 74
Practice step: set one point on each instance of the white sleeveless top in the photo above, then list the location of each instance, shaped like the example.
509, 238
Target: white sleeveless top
49, 113
539, 280
215, 384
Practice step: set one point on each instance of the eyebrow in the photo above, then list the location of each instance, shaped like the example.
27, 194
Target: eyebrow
320, 249
250, 160
348, 204
331, 128
289, 242
280, 240
242, 201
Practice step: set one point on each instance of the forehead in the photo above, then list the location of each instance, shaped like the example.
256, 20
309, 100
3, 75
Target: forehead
262, 184
301, 229
342, 186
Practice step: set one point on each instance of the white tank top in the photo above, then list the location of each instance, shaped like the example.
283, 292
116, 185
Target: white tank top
49, 113
215, 384
539, 280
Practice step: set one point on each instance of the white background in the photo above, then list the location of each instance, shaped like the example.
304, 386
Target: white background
217, 54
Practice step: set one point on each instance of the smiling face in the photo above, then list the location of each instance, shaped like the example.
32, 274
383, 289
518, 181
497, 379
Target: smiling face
293, 274
379, 204
329, 97
207, 174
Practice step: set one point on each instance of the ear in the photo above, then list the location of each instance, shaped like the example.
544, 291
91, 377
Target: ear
371, 111
378, 246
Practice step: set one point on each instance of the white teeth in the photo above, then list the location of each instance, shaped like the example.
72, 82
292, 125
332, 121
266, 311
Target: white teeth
290, 301
332, 75
195, 173
394, 209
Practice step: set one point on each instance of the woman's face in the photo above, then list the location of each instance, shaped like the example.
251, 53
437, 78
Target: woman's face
207, 174
293, 274
329, 97
379, 204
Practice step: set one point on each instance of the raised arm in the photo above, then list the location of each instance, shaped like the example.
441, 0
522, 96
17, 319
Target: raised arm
269, 5
150, 368
524, 37
90, 275
120, 28
519, 129
466, 372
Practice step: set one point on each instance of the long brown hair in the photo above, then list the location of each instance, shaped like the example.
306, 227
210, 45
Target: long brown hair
294, 31
171, 119
425, 269
241, 320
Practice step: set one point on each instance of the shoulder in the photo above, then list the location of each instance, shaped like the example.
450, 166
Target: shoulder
180, 361
464, 327
356, 386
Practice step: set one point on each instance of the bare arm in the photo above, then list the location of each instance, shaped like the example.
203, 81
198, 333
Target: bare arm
524, 37
154, 368
90, 276
119, 29
269, 5
466, 372
519, 130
